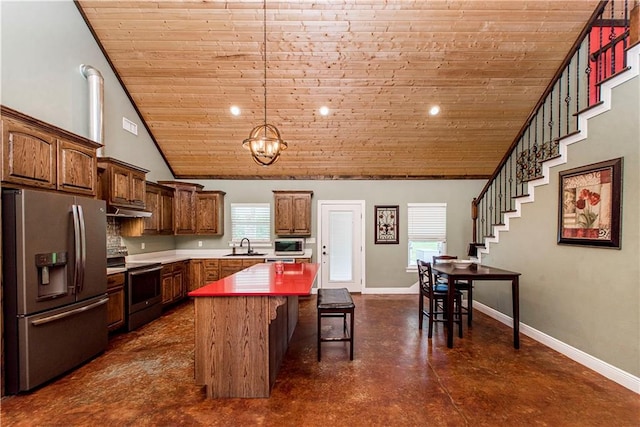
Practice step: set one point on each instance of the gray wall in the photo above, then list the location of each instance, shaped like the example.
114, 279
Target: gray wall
586, 297
43, 45
385, 264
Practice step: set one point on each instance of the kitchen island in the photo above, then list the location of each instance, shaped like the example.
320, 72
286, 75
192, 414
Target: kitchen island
243, 324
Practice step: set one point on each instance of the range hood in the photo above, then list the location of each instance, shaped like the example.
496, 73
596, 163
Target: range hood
127, 213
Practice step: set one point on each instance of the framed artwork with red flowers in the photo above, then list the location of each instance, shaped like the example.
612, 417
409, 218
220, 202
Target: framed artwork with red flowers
590, 205
386, 224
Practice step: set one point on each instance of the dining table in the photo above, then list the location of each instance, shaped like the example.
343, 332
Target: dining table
478, 272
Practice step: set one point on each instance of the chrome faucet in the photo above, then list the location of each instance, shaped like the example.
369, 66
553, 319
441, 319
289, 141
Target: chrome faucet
248, 245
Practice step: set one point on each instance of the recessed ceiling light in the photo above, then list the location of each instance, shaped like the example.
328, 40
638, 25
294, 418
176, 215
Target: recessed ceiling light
434, 111
235, 110
324, 111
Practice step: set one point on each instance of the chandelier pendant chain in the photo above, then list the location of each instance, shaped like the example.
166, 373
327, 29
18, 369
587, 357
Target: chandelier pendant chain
265, 142
264, 33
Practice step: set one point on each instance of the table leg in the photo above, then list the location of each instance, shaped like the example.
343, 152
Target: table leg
516, 311
450, 310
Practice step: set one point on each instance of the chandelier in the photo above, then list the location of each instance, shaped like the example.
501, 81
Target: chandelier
265, 142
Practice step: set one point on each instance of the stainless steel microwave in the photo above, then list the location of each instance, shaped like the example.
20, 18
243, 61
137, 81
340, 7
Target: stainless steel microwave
290, 246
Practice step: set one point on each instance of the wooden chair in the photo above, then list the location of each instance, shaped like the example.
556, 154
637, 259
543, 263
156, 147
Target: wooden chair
438, 296
461, 285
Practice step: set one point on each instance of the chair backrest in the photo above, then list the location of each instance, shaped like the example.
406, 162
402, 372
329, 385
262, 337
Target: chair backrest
425, 276
438, 258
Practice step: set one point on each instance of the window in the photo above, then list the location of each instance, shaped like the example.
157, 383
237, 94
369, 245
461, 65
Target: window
251, 220
427, 231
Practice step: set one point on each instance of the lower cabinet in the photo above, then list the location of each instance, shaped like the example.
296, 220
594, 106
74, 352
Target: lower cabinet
174, 280
115, 305
231, 266
202, 271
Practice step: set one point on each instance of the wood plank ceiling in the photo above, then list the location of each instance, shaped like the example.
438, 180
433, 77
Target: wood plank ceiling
379, 65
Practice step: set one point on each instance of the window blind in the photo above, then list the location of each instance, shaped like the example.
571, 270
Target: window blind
427, 221
251, 220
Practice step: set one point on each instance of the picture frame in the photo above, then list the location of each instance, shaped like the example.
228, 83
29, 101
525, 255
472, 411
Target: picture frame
590, 205
386, 217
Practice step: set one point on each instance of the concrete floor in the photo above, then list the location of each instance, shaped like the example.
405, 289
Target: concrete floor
398, 378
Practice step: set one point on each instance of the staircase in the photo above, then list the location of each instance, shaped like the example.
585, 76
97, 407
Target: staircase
580, 90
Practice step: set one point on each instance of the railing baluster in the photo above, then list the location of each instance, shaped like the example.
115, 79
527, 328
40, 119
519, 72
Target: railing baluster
568, 94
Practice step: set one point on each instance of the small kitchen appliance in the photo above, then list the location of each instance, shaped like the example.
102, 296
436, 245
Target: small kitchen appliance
289, 246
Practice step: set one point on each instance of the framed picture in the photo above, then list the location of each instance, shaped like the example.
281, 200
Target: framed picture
386, 224
590, 205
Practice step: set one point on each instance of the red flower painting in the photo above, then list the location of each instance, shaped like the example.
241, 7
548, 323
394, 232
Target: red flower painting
586, 199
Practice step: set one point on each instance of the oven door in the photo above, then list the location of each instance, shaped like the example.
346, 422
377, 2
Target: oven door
144, 286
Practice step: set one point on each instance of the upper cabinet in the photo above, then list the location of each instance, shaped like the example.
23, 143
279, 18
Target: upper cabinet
159, 201
184, 206
179, 208
36, 154
122, 185
292, 213
210, 212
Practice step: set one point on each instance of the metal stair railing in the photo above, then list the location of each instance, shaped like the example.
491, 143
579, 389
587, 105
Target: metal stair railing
597, 55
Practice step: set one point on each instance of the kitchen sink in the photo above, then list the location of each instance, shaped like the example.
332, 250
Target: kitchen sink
246, 254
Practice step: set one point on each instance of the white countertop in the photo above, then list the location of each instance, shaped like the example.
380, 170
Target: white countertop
167, 257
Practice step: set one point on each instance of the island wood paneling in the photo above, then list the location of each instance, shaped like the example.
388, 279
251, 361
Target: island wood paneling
378, 65
232, 346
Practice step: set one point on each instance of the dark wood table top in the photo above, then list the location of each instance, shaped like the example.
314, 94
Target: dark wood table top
474, 272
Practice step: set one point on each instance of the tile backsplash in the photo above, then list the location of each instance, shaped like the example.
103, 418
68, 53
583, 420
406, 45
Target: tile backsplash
114, 240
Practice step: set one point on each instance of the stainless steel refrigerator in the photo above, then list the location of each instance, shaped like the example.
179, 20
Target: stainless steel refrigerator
54, 283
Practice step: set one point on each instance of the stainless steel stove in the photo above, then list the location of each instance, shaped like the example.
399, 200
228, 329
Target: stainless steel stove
143, 292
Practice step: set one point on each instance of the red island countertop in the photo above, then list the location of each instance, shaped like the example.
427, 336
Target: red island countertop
262, 280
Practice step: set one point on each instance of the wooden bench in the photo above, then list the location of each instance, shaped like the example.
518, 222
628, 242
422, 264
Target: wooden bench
336, 303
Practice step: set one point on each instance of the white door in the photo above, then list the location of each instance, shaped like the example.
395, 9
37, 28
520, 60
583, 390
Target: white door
341, 245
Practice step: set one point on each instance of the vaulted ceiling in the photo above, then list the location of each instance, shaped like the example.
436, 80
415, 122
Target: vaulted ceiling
378, 65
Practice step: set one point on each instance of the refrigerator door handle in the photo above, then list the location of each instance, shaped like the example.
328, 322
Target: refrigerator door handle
83, 248
59, 316
77, 248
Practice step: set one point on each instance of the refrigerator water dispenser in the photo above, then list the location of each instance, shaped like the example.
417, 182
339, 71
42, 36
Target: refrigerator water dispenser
52, 274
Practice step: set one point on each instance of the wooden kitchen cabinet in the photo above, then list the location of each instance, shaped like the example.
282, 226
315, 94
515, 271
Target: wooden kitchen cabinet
184, 206
231, 266
115, 305
36, 154
174, 279
203, 271
196, 274
180, 273
77, 168
159, 201
211, 270
123, 185
210, 212
292, 213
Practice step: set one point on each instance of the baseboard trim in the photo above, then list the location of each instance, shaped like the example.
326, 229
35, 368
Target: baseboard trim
413, 289
617, 375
